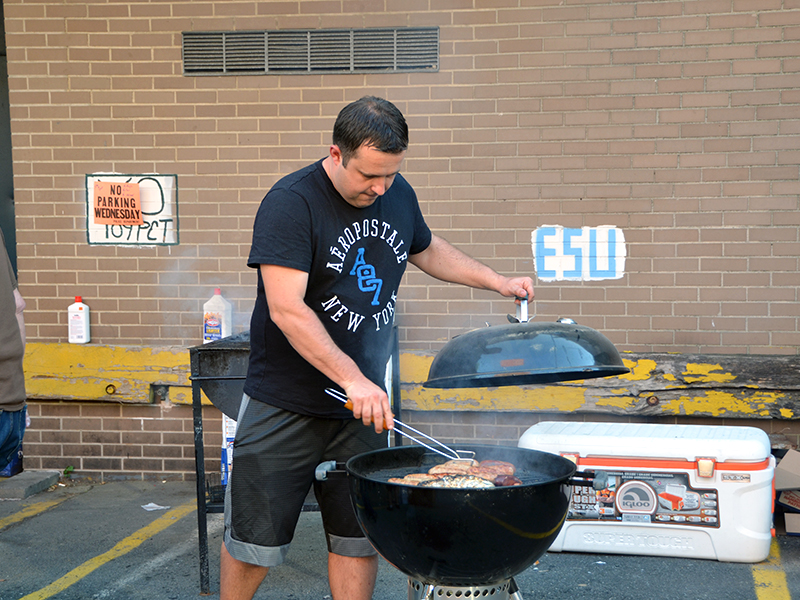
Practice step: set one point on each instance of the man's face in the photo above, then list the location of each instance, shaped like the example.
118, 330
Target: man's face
368, 174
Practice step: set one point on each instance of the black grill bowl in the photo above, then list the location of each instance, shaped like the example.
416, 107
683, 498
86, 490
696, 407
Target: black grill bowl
460, 537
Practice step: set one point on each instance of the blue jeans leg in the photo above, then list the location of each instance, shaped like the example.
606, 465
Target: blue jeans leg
12, 428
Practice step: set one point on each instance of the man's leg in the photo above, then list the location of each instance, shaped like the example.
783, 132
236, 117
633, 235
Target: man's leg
352, 578
12, 428
238, 580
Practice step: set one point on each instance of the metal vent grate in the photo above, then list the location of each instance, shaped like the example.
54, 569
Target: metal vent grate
311, 51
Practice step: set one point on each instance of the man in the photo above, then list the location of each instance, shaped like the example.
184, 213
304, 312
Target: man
330, 243
12, 350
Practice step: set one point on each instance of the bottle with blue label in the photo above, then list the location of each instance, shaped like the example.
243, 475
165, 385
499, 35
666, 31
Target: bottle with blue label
226, 456
217, 318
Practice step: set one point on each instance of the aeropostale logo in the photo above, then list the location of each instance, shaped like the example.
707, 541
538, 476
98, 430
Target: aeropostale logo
585, 254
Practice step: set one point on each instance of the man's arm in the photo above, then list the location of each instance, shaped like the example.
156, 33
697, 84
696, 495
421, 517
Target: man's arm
19, 301
285, 289
445, 262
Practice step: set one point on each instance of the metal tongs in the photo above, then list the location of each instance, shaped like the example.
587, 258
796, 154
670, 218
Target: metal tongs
448, 452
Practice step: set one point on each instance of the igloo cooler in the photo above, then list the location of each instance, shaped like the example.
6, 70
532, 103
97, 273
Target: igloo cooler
665, 490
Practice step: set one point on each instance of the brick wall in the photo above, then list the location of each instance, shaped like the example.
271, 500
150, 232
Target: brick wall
102, 441
676, 121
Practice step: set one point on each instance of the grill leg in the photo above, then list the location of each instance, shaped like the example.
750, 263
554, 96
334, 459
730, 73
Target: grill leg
513, 590
200, 470
416, 591
427, 592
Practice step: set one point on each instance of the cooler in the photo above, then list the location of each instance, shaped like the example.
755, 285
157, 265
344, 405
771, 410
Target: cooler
665, 490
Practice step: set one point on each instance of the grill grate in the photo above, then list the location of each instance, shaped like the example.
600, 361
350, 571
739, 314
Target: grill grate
311, 51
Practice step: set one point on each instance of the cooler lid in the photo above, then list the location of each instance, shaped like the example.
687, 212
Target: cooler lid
646, 440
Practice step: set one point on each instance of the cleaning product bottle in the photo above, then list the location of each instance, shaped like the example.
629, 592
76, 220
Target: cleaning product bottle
217, 318
78, 322
226, 455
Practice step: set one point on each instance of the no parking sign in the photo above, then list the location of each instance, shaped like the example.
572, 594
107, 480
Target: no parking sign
132, 210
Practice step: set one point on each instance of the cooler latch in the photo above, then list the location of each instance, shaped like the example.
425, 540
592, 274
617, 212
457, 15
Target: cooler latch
573, 456
705, 467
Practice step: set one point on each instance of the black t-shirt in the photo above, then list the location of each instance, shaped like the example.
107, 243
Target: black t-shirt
354, 257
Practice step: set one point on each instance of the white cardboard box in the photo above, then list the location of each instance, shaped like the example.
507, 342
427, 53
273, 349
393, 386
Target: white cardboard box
672, 490
787, 473
792, 523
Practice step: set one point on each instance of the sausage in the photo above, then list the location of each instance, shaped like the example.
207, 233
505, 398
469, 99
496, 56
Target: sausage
506, 480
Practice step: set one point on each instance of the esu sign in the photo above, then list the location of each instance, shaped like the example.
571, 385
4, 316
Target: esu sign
585, 254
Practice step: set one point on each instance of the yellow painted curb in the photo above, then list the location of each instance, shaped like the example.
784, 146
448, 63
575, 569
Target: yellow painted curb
88, 372
670, 386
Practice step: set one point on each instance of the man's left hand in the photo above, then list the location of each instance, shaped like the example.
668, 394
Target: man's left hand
519, 287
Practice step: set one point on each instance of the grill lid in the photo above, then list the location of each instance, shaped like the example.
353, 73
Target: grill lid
524, 353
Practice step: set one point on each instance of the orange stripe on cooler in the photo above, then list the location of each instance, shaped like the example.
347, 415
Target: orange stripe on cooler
667, 463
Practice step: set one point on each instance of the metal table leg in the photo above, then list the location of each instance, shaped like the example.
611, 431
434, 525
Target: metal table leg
200, 469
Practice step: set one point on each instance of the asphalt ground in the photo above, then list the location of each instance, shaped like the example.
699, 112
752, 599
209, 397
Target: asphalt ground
95, 541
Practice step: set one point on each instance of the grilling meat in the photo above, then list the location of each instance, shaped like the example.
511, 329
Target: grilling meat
506, 480
493, 470
499, 466
464, 474
413, 478
454, 467
458, 481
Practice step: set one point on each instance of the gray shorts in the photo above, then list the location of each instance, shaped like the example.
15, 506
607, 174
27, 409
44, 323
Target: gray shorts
275, 455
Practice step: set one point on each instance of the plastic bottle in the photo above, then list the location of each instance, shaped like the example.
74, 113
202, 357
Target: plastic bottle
217, 322
226, 456
217, 318
78, 322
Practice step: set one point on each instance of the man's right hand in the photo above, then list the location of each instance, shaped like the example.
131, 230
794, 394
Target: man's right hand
370, 404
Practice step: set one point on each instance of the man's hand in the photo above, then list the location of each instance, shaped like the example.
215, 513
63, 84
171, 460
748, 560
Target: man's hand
520, 287
370, 404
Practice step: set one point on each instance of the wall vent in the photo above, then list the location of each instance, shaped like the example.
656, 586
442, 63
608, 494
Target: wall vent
396, 50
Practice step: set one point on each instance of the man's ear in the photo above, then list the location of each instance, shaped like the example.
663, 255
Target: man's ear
336, 155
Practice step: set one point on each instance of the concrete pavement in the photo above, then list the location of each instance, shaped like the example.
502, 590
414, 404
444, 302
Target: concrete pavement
85, 541
26, 484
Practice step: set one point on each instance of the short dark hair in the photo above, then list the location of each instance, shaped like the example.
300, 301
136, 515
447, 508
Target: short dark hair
372, 121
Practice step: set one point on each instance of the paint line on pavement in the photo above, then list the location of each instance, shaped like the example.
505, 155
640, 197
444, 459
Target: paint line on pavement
121, 548
168, 557
30, 511
769, 577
